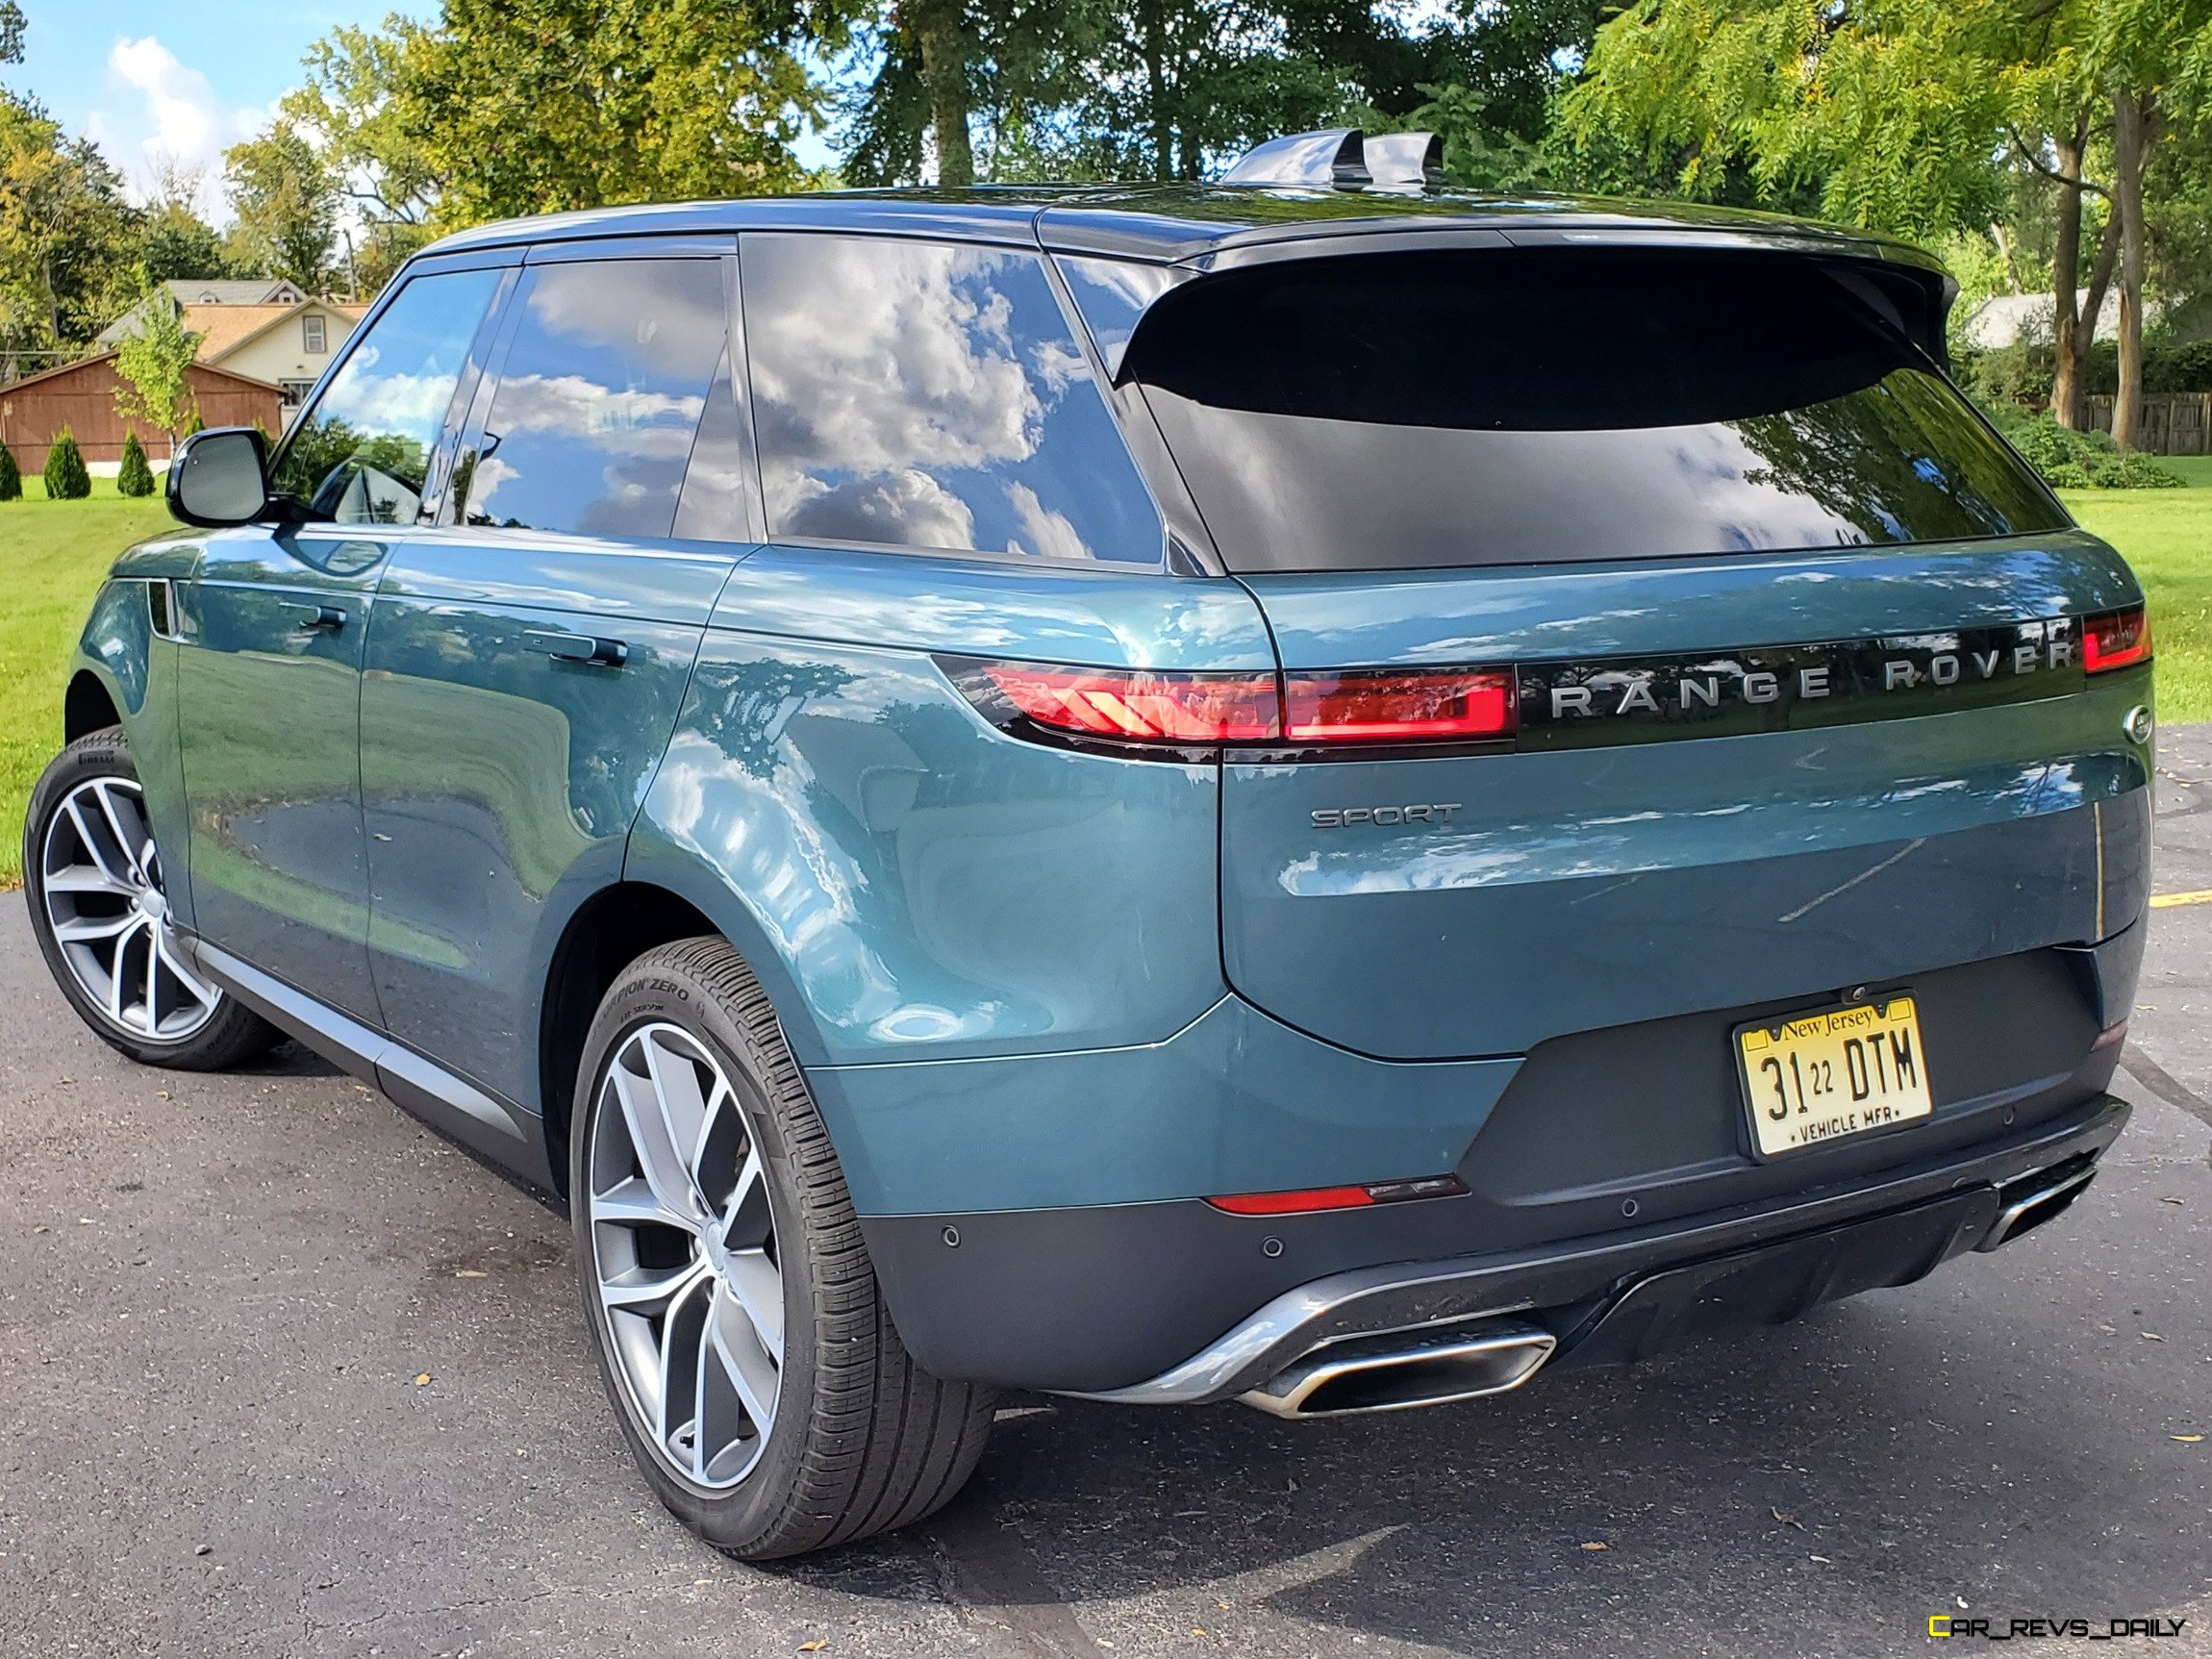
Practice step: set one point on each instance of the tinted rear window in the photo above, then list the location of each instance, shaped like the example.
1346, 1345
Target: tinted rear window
1381, 412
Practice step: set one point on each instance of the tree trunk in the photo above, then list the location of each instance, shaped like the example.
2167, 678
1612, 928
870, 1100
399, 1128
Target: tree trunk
945, 71
2131, 146
2068, 341
1156, 89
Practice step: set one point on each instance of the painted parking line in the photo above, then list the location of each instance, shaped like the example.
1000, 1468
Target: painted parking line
2167, 900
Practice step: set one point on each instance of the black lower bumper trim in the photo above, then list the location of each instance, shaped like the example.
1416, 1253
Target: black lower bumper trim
1207, 1305
1779, 1282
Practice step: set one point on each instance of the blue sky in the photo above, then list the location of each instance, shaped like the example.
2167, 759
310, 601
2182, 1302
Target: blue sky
150, 81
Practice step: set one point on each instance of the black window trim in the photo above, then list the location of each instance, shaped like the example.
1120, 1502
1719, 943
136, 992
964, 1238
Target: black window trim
1071, 320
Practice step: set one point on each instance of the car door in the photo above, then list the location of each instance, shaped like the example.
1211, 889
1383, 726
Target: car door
530, 652
273, 622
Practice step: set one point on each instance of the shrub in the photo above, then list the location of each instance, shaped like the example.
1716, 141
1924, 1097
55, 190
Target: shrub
66, 479
137, 478
10, 477
2077, 460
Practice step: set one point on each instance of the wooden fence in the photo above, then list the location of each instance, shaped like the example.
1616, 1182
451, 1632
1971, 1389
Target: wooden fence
2174, 422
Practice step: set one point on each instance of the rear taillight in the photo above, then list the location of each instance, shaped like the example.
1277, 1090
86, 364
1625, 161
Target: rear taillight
1129, 706
2117, 639
1397, 706
1191, 710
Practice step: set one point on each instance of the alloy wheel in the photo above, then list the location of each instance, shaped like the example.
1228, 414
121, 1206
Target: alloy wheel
101, 878
685, 1258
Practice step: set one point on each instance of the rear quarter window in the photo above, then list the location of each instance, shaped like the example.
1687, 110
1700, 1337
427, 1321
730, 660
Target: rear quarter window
933, 396
1527, 406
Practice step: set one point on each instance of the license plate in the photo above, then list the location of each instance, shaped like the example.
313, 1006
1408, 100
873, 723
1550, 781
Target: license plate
1826, 1076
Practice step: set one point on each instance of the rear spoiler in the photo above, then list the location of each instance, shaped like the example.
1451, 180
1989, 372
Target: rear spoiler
1908, 287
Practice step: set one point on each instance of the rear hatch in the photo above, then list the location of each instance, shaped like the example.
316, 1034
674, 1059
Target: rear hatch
1705, 648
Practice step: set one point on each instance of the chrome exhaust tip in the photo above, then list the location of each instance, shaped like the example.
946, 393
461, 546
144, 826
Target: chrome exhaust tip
2034, 1199
1399, 1369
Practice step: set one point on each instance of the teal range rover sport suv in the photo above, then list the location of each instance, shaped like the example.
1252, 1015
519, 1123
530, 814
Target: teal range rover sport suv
1314, 790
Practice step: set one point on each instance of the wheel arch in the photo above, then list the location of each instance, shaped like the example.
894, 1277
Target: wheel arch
88, 706
603, 936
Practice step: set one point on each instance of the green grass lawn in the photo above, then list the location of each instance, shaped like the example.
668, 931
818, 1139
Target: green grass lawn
2166, 536
52, 556
54, 553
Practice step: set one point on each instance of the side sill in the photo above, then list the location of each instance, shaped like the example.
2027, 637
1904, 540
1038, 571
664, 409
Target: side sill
507, 1135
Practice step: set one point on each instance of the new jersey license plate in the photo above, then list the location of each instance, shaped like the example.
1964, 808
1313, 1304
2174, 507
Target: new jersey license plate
1825, 1077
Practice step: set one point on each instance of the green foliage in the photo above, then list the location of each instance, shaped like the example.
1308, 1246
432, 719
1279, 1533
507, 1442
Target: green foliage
65, 235
1171, 88
10, 476
153, 362
529, 106
65, 477
2166, 367
1480, 152
136, 478
285, 197
2021, 373
357, 100
1885, 116
2077, 460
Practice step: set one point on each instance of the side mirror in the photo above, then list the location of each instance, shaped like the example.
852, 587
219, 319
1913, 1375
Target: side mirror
221, 477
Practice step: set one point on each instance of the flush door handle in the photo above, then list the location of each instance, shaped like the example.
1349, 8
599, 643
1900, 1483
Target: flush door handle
582, 648
323, 616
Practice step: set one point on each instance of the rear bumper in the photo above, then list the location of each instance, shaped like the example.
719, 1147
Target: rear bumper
1179, 1303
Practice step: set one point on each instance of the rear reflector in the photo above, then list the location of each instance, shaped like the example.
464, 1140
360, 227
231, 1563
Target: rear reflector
2116, 641
1397, 707
1133, 705
1313, 1199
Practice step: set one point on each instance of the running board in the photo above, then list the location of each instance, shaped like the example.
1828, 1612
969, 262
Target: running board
509, 1136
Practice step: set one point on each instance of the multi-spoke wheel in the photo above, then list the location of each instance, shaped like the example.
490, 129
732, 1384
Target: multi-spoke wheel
94, 876
102, 881
736, 1318
684, 1251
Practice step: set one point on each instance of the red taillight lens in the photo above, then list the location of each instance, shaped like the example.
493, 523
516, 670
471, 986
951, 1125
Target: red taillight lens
1294, 1203
2116, 641
1136, 707
1312, 1199
1397, 708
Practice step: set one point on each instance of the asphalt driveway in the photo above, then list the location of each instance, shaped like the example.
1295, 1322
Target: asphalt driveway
282, 1372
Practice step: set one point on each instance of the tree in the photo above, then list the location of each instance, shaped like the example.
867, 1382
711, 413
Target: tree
65, 477
947, 67
356, 101
286, 199
65, 235
136, 477
531, 106
1885, 116
10, 476
174, 241
153, 365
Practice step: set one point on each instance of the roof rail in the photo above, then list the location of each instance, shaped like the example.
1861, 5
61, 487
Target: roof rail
1344, 159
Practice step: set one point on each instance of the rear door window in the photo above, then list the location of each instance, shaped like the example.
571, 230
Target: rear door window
599, 398
932, 395
1526, 405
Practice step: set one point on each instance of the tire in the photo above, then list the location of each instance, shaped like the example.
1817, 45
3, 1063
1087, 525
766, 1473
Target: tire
90, 870
676, 1268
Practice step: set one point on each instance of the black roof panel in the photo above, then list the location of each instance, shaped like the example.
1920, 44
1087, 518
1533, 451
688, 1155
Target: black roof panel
1174, 223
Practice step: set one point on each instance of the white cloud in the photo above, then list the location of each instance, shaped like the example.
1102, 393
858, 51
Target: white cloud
172, 117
